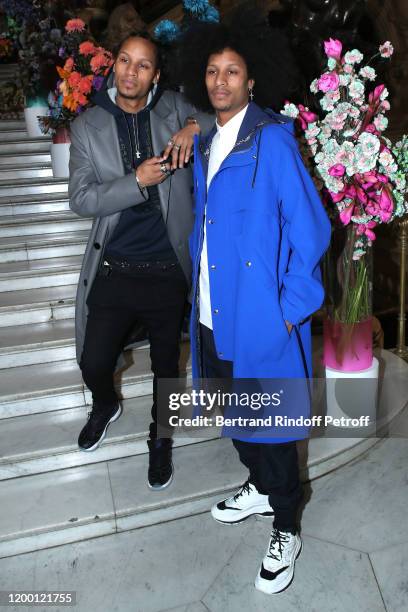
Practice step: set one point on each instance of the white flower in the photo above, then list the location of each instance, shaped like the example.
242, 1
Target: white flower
368, 73
331, 63
313, 86
386, 50
353, 57
381, 123
312, 130
384, 94
356, 88
290, 110
385, 158
344, 79
370, 144
334, 184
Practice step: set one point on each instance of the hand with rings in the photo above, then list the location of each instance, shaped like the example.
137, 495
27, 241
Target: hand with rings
180, 146
152, 171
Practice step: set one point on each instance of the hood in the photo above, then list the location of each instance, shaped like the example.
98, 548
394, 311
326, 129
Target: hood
106, 97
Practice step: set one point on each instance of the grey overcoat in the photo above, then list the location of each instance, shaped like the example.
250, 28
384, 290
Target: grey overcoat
99, 188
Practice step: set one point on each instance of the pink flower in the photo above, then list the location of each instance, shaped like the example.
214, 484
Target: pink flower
87, 47
386, 50
347, 213
75, 25
69, 64
374, 96
332, 48
98, 62
337, 170
329, 81
366, 228
305, 116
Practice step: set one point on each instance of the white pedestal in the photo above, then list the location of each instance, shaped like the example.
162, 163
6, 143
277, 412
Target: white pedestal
353, 395
31, 118
60, 159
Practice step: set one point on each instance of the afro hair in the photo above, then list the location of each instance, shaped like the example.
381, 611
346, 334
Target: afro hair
265, 50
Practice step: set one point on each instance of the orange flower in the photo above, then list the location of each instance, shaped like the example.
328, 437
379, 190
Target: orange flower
70, 103
98, 61
87, 48
69, 64
62, 73
75, 25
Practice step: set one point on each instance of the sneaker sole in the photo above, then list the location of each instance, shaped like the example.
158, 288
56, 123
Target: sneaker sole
111, 420
165, 485
262, 585
263, 514
241, 516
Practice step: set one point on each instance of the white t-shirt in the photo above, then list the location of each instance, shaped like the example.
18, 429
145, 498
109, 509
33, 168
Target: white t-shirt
222, 144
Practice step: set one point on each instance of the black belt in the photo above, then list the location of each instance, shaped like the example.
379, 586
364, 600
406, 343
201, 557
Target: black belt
139, 265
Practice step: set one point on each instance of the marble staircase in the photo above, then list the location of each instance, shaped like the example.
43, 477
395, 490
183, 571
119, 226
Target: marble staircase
51, 492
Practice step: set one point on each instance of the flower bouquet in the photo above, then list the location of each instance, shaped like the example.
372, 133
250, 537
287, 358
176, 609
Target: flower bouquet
82, 74
362, 178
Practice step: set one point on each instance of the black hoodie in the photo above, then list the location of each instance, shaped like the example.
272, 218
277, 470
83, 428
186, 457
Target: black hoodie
140, 234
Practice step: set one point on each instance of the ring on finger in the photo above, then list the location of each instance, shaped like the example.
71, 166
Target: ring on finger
177, 146
170, 142
163, 168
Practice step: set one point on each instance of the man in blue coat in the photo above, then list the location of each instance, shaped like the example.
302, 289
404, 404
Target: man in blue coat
260, 233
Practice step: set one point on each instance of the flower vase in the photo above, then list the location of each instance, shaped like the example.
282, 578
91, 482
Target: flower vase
61, 142
33, 109
347, 329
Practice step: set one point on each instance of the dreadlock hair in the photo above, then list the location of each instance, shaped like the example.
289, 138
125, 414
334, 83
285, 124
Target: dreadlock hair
265, 50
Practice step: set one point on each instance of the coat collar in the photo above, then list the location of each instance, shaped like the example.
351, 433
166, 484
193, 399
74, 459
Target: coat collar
255, 118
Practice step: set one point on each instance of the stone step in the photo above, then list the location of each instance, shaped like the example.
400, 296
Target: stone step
24, 187
21, 275
25, 145
42, 246
34, 224
59, 385
37, 305
22, 160
18, 133
37, 343
37, 204
30, 170
12, 124
46, 442
109, 497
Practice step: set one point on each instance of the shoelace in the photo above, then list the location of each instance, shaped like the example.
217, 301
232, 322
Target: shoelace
280, 538
244, 489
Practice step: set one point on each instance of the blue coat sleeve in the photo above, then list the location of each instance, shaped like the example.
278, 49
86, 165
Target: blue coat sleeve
308, 232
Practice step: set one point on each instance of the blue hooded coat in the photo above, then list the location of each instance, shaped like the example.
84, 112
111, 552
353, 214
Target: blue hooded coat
267, 231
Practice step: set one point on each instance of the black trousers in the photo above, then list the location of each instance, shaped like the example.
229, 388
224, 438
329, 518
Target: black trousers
273, 468
119, 299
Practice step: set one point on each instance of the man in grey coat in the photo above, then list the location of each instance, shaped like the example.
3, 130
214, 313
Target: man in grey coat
136, 268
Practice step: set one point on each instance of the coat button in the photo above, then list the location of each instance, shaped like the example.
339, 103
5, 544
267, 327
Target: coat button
211, 221
215, 311
213, 267
248, 264
85, 282
97, 245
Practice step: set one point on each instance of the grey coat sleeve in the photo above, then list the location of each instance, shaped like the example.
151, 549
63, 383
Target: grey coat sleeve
185, 109
87, 196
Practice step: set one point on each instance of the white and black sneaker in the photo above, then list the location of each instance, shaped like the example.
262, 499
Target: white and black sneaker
246, 502
278, 566
98, 422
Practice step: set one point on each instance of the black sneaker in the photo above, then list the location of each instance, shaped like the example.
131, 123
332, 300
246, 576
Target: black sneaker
160, 473
95, 429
